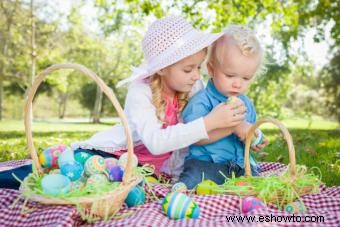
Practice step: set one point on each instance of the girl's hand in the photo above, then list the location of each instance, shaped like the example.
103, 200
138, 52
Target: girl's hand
225, 116
241, 130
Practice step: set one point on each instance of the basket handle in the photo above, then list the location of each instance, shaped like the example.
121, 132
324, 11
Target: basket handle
109, 93
286, 136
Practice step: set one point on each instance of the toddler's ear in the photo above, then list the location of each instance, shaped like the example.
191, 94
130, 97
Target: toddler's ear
210, 69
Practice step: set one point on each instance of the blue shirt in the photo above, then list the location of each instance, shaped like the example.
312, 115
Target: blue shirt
224, 149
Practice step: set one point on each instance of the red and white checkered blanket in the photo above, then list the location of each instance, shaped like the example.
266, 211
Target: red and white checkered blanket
216, 210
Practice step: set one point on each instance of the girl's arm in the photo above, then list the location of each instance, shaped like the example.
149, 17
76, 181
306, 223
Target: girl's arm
142, 119
215, 135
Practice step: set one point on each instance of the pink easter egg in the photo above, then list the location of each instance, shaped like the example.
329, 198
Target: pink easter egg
251, 203
49, 157
110, 162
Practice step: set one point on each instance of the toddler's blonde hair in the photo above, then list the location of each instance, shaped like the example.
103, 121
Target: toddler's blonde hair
245, 39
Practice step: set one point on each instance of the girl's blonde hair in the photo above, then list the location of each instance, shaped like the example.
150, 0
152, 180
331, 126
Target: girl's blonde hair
245, 39
158, 100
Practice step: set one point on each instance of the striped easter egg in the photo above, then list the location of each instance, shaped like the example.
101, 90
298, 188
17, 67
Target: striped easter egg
177, 205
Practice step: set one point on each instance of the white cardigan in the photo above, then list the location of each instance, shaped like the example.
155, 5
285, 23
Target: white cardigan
146, 129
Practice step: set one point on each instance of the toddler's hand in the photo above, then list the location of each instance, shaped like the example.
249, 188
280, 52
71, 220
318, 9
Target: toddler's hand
259, 147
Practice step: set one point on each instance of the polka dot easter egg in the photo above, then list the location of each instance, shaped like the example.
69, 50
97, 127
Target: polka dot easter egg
49, 157
177, 205
135, 197
250, 203
295, 207
206, 187
72, 169
95, 164
123, 160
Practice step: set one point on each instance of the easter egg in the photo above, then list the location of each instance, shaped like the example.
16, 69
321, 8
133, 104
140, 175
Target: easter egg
232, 99
295, 207
177, 205
135, 197
72, 169
66, 156
206, 187
95, 180
116, 173
250, 203
257, 139
49, 157
242, 183
95, 164
179, 187
55, 184
110, 162
82, 157
151, 179
123, 160
77, 185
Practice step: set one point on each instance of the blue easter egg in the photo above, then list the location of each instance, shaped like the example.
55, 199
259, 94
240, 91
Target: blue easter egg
257, 139
135, 197
55, 184
66, 156
116, 173
177, 205
73, 170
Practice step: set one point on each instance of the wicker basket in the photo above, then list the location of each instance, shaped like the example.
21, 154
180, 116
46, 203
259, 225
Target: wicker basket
106, 205
292, 176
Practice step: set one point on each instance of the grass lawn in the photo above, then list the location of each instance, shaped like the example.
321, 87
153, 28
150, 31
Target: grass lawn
316, 144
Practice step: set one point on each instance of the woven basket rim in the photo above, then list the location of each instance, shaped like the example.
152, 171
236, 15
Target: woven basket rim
287, 137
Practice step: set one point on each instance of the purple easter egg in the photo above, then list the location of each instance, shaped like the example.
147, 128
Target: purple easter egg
116, 173
251, 203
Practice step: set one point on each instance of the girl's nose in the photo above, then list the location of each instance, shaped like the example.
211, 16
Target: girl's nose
196, 75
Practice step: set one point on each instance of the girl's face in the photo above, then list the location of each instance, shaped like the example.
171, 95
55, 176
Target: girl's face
233, 75
181, 76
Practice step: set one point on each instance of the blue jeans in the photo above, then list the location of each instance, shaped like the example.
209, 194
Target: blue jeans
8, 181
194, 170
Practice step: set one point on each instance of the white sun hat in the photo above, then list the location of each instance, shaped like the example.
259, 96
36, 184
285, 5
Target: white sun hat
166, 42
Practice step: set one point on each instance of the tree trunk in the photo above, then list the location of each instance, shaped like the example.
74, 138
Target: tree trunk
62, 105
97, 106
1, 95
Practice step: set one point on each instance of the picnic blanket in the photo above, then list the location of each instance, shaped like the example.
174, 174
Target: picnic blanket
216, 210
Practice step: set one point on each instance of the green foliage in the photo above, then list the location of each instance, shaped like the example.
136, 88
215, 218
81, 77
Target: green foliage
330, 85
314, 148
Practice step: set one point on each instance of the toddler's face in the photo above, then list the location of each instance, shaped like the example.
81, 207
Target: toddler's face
233, 76
181, 76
